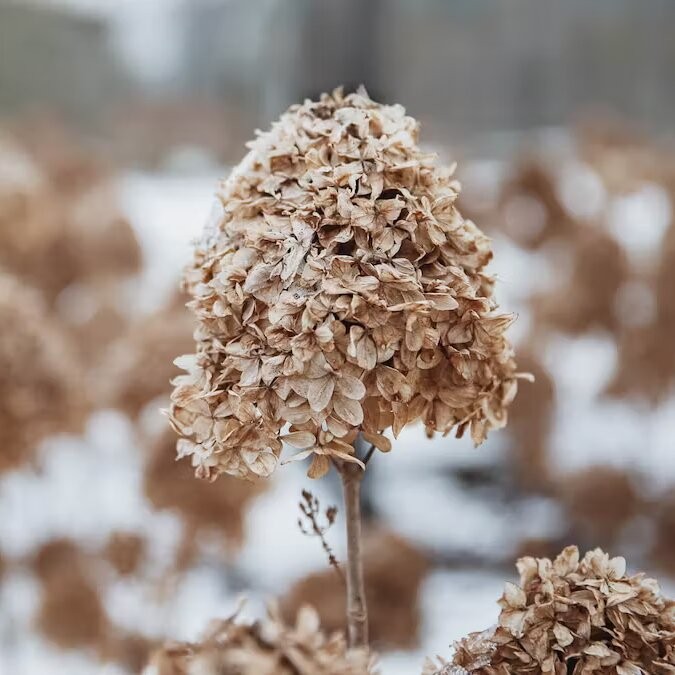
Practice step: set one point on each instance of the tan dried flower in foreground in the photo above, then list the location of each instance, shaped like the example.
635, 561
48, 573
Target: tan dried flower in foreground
573, 617
266, 648
338, 290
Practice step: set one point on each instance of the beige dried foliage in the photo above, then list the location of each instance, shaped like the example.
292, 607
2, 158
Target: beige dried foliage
587, 300
52, 235
125, 551
130, 650
72, 615
646, 359
545, 546
530, 422
623, 156
599, 501
169, 484
71, 612
664, 285
338, 289
530, 210
663, 549
645, 364
137, 368
575, 617
266, 648
394, 570
95, 334
41, 386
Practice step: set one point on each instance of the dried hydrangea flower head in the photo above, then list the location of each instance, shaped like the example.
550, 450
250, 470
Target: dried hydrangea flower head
266, 648
575, 616
338, 290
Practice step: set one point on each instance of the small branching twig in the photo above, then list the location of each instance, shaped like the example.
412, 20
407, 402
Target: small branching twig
311, 510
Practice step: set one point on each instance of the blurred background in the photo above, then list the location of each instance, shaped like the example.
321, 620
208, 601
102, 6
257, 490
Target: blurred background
118, 117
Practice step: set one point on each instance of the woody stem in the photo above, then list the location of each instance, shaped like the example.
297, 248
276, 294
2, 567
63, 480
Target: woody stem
357, 612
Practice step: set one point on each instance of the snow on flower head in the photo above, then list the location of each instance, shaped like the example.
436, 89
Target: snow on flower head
340, 291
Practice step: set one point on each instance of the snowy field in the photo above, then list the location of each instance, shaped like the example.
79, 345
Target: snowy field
88, 486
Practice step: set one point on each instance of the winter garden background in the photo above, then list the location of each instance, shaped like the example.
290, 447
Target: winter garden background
116, 122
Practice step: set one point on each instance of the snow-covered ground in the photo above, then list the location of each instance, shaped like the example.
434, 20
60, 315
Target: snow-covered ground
87, 487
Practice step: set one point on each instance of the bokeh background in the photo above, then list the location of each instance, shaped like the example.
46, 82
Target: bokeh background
118, 117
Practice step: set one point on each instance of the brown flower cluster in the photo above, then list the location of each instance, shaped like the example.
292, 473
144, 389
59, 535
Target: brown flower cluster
40, 382
72, 614
171, 485
62, 232
599, 501
663, 549
137, 368
573, 616
646, 359
54, 235
587, 300
125, 551
530, 422
341, 291
535, 213
266, 648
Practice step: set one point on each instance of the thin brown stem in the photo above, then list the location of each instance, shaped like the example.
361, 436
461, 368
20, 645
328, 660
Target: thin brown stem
357, 612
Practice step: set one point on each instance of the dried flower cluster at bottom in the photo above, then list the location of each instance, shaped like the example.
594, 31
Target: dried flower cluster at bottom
339, 290
573, 617
266, 648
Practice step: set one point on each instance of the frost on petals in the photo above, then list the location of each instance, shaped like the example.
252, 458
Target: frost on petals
338, 290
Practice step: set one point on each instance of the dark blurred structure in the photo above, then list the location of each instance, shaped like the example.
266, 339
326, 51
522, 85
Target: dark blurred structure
464, 67
58, 61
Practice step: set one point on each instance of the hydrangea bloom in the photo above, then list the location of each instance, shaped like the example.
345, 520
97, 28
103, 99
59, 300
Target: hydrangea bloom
269, 647
574, 616
338, 289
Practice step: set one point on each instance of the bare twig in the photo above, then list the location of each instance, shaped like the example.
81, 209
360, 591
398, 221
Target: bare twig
311, 510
